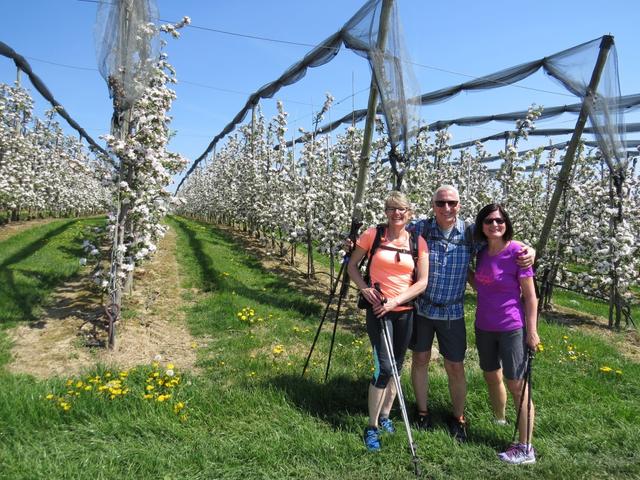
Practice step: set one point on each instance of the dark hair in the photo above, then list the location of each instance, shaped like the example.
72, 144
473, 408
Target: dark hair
484, 213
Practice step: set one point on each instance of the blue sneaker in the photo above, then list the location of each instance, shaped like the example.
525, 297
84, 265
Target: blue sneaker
371, 439
386, 425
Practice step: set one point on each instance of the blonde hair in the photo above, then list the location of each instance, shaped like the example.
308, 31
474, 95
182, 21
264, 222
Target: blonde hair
398, 198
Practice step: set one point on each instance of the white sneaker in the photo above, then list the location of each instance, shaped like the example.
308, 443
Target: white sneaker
518, 454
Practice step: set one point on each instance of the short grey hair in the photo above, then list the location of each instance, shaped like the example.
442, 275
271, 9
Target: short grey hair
445, 188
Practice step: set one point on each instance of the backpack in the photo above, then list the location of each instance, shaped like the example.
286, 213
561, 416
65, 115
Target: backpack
413, 250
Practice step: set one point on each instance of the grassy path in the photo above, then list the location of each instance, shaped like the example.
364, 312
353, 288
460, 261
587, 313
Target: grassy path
250, 415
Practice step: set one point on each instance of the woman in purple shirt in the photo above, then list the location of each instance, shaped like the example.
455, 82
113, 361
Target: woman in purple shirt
506, 323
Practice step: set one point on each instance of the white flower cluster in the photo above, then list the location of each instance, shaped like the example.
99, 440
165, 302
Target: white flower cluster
43, 171
140, 197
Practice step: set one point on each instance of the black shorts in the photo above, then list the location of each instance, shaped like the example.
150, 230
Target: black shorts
452, 337
400, 326
506, 350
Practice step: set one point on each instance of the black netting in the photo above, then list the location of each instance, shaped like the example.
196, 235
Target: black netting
389, 63
573, 68
541, 132
625, 103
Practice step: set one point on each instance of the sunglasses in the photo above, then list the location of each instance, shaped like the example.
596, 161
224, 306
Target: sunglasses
442, 203
489, 221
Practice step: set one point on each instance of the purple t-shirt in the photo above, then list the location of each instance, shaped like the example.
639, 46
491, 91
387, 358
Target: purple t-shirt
497, 280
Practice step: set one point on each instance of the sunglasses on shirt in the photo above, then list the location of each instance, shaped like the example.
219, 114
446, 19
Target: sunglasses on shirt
489, 221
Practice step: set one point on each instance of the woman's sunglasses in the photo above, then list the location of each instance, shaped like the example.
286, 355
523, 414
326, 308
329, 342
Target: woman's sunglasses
489, 221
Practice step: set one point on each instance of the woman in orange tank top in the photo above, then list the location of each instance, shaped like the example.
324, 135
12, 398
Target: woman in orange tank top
391, 270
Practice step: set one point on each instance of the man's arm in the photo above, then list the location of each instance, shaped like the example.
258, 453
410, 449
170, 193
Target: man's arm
526, 255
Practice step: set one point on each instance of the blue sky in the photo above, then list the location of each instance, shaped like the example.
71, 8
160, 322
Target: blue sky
452, 42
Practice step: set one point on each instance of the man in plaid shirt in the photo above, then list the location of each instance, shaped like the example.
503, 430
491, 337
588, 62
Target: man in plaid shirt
440, 307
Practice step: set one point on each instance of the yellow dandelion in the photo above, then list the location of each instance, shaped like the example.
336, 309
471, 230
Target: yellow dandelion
619, 372
605, 369
540, 347
88, 387
49, 397
147, 396
278, 349
243, 318
194, 345
69, 382
149, 388
108, 374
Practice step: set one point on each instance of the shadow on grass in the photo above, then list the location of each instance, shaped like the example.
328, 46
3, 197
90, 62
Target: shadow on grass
210, 278
28, 293
569, 318
336, 402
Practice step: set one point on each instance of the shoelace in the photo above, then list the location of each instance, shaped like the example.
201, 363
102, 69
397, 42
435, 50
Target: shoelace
514, 449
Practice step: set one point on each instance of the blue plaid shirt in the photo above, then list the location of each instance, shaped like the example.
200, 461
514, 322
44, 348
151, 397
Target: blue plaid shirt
449, 260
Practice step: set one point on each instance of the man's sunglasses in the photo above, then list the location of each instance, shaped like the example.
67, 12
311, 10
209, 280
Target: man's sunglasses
489, 221
442, 203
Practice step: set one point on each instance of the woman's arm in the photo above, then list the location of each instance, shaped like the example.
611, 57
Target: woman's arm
530, 311
370, 294
409, 294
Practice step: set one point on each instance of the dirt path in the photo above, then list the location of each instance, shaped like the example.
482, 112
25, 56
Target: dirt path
57, 343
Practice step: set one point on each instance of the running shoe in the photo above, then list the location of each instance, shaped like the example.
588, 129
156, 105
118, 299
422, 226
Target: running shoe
424, 421
518, 454
458, 429
386, 425
371, 439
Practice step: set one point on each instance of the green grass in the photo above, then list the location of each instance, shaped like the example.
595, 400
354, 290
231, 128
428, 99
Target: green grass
34, 261
589, 305
252, 416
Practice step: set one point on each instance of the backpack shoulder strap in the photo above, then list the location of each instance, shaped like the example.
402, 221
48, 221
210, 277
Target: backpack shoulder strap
374, 246
413, 246
426, 229
380, 228
468, 234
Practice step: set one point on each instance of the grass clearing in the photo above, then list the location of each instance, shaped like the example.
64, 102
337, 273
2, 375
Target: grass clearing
251, 415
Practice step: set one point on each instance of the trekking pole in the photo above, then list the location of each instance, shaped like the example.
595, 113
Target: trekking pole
386, 337
527, 382
324, 316
355, 226
343, 292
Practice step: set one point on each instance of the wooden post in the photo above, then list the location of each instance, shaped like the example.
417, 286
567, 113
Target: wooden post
363, 167
567, 164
